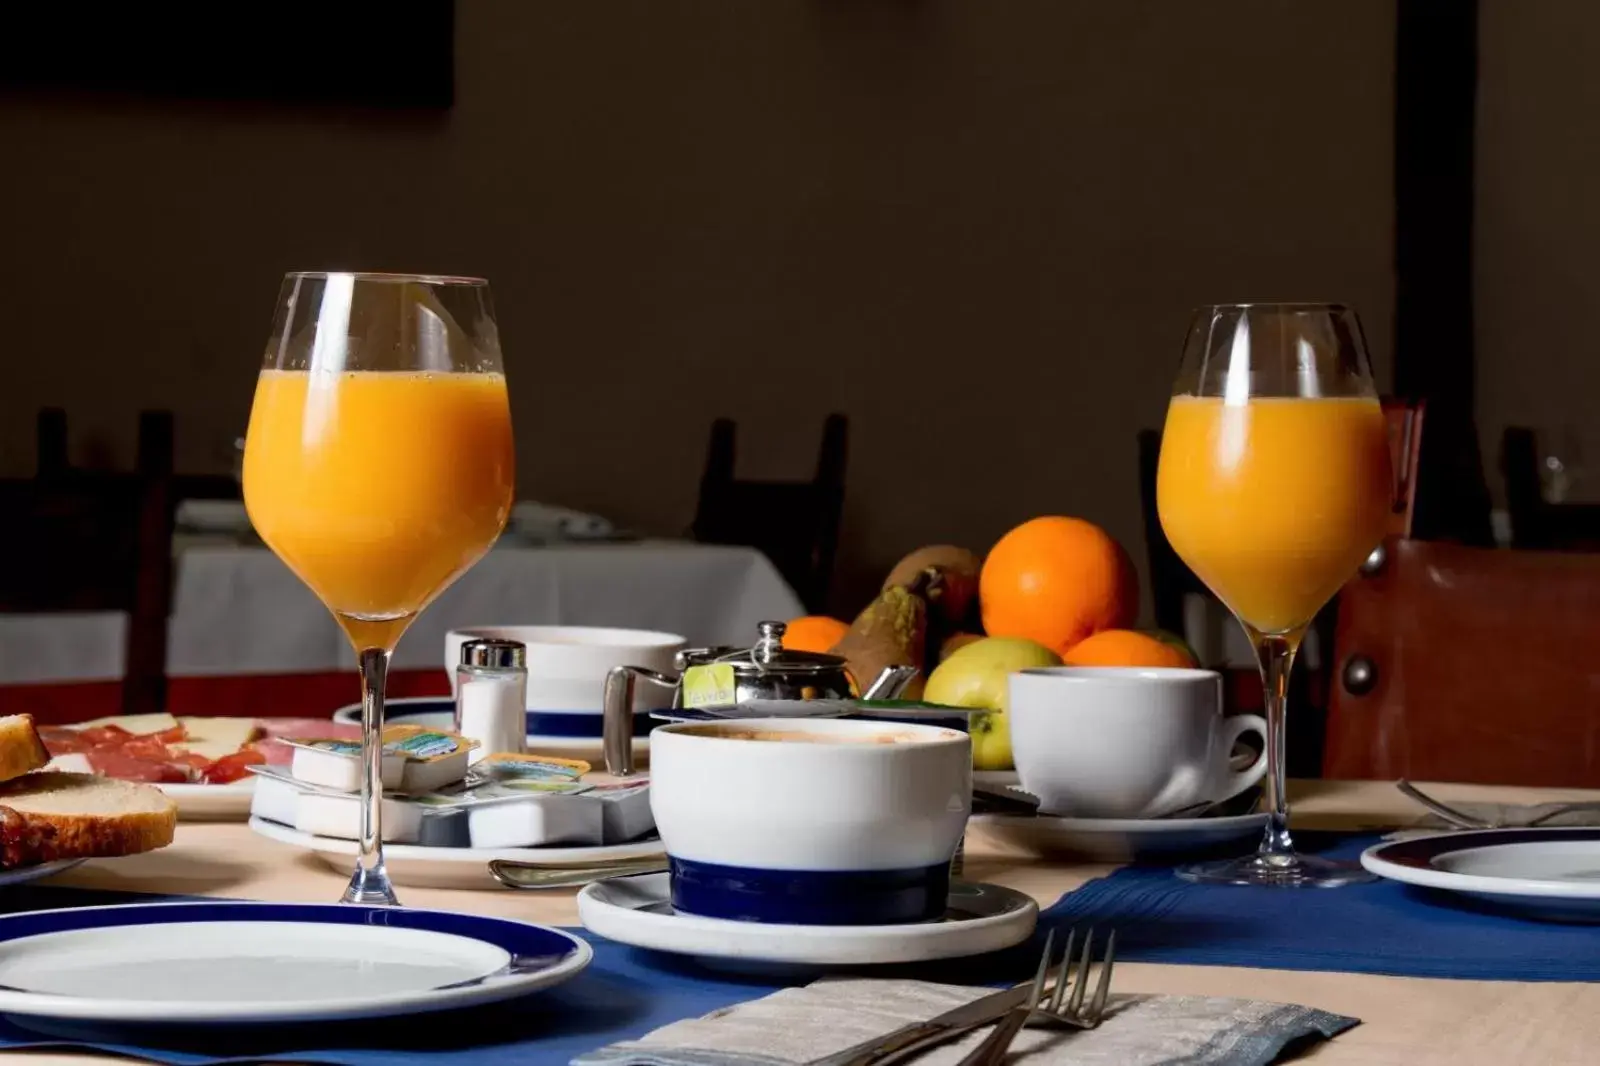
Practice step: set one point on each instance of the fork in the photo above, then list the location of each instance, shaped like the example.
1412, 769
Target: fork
1059, 1009
1463, 820
1070, 1011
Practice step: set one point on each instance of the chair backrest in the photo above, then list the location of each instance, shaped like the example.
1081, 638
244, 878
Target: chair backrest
1405, 449
795, 524
93, 541
1535, 524
1468, 664
1171, 580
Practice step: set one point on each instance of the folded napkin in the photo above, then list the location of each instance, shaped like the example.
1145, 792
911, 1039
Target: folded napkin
538, 521
801, 1025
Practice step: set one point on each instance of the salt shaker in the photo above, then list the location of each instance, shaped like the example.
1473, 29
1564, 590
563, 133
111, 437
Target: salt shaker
491, 696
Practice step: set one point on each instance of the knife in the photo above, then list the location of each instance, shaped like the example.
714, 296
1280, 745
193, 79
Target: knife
921, 1035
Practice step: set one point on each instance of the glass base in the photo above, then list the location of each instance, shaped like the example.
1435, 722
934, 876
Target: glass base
371, 887
1276, 871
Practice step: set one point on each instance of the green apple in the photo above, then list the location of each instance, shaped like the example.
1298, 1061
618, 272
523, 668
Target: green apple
975, 675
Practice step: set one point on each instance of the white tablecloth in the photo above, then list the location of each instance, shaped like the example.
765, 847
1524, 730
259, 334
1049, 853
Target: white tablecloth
238, 610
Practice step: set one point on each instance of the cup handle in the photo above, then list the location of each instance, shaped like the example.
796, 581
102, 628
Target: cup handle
616, 715
1237, 780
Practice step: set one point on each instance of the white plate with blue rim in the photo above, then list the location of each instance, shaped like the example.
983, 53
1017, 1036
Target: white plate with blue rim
978, 918
570, 734
1549, 873
225, 963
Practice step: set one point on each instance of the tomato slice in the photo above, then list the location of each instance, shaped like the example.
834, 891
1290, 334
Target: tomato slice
233, 767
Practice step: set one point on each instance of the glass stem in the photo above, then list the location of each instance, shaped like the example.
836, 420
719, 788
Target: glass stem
370, 882
1276, 656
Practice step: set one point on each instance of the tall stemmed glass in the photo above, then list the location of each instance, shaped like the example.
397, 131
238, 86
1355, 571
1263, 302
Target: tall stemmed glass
1274, 485
378, 466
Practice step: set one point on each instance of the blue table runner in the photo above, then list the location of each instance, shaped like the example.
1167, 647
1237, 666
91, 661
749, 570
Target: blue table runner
1381, 928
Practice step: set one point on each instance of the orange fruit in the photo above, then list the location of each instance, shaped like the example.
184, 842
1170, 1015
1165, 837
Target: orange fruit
814, 632
1125, 647
1056, 581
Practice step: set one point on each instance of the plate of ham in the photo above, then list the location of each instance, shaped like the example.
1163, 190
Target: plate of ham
202, 763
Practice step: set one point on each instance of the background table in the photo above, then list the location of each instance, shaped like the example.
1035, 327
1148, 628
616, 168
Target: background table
1406, 1021
246, 637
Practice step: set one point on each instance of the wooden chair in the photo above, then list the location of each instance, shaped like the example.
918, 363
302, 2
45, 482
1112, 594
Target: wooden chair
1535, 524
1468, 664
795, 524
90, 541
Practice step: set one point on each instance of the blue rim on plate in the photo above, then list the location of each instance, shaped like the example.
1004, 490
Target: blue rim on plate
529, 957
545, 722
1545, 873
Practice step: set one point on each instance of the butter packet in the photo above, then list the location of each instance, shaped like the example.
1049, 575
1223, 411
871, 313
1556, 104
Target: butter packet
336, 764
505, 776
432, 758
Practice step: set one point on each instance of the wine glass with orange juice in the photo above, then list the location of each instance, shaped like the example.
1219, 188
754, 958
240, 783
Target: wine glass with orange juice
378, 466
1274, 486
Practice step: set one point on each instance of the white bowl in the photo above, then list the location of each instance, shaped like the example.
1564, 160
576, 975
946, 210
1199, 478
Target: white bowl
837, 828
567, 665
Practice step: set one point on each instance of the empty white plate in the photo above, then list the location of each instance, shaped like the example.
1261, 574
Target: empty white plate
432, 867
233, 962
1544, 872
638, 911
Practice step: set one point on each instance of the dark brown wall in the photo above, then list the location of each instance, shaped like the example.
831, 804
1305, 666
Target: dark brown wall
1538, 227
975, 227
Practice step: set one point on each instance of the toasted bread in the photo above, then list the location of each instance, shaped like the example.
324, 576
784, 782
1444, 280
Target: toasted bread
47, 816
21, 750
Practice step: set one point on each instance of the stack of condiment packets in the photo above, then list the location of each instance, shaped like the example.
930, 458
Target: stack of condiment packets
432, 797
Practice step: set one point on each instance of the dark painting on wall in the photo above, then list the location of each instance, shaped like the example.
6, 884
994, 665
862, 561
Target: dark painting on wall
374, 53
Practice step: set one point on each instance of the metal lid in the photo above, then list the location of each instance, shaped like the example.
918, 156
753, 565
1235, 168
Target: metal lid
767, 656
495, 654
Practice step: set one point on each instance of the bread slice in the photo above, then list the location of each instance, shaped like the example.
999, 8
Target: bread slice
47, 816
21, 750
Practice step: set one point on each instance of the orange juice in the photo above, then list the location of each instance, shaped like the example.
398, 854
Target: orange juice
378, 489
1274, 502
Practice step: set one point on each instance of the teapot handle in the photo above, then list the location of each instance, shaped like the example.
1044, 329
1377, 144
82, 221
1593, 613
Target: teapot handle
616, 717
890, 683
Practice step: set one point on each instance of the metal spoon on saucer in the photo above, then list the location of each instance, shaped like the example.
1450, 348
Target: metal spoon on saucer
534, 877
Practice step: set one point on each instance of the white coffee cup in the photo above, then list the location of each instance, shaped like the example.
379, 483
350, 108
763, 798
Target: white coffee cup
827, 821
1126, 742
567, 667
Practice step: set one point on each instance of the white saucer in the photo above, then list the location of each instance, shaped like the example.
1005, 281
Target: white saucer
1545, 873
1122, 839
637, 911
23, 874
429, 867
229, 962
213, 803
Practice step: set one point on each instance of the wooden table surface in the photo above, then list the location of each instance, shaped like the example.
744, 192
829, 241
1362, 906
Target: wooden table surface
1407, 1021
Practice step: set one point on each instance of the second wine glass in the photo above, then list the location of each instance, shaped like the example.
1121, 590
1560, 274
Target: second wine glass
378, 466
1273, 486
